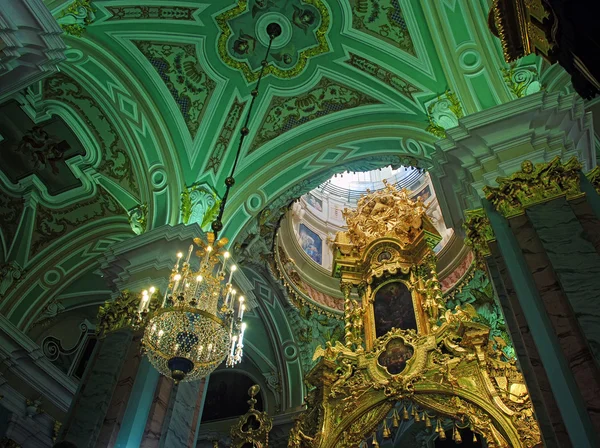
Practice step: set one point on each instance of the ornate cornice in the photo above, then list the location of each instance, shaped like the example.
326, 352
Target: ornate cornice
32, 46
494, 142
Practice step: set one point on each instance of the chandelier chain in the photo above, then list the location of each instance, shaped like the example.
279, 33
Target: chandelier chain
217, 224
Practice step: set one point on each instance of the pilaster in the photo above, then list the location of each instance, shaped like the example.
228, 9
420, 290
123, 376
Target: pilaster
546, 341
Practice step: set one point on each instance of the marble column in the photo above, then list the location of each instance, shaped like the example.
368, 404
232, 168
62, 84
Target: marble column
86, 420
523, 161
140, 405
121, 395
183, 416
548, 326
114, 404
552, 427
575, 261
161, 399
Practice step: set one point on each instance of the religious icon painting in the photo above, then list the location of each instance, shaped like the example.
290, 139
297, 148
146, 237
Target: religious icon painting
393, 308
395, 356
311, 243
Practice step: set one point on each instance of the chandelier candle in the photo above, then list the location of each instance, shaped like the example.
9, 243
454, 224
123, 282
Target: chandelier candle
199, 323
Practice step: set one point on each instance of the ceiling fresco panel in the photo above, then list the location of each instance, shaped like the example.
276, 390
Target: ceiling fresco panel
52, 224
150, 11
327, 97
40, 149
226, 135
383, 19
388, 77
179, 68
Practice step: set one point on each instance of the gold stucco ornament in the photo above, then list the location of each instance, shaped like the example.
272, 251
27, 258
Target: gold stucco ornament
252, 428
414, 361
123, 312
535, 184
478, 233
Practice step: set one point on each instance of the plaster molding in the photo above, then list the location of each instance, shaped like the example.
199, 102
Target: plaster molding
32, 46
494, 142
25, 359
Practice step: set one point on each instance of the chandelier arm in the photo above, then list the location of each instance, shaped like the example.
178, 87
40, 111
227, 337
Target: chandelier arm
217, 224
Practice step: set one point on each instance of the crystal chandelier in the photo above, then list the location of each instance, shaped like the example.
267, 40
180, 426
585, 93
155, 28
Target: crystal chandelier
198, 323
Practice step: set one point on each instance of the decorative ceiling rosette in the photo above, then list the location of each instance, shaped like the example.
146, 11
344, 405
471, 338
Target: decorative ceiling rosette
243, 40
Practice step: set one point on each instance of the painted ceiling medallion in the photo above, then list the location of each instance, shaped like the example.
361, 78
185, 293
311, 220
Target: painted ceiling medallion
243, 41
383, 19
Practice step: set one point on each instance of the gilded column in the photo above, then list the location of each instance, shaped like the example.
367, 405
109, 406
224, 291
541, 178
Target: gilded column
346, 288
359, 315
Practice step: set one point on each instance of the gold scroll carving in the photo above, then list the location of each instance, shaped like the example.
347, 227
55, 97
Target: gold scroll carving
478, 233
253, 427
123, 312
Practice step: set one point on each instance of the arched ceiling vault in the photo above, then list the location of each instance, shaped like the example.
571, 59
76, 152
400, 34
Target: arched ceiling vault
180, 74
371, 73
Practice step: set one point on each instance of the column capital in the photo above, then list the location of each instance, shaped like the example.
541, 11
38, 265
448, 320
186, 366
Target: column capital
493, 143
535, 184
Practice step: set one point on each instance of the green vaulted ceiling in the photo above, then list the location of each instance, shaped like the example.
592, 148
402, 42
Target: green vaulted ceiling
343, 73
151, 98
139, 129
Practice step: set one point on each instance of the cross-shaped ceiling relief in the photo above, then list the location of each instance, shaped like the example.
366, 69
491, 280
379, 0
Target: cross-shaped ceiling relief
42, 149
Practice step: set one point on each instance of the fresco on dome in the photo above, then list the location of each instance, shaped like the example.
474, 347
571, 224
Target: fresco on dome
393, 308
314, 202
311, 243
424, 194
